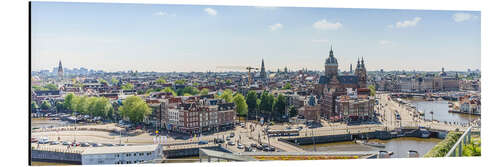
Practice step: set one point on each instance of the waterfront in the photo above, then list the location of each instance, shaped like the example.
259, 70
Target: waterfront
440, 110
46, 123
399, 146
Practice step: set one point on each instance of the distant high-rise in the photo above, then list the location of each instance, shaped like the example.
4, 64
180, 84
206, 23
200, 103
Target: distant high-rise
263, 74
60, 72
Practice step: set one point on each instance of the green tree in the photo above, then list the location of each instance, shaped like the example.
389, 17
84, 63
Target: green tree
45, 105
266, 103
228, 81
191, 90
51, 87
82, 105
279, 107
161, 81
169, 90
114, 81
33, 106
251, 100
241, 105
287, 86
293, 111
128, 86
227, 95
38, 88
135, 109
102, 81
60, 106
68, 100
180, 82
372, 90
204, 91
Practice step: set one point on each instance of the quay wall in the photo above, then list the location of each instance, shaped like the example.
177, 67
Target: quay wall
382, 135
52, 156
190, 152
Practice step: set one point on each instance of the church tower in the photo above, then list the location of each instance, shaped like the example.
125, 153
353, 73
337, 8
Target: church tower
331, 65
263, 74
60, 73
361, 74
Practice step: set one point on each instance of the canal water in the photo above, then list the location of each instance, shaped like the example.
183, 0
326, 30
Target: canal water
399, 146
440, 110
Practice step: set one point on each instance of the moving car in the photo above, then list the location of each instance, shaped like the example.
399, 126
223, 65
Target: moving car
97, 145
202, 142
54, 143
65, 143
85, 145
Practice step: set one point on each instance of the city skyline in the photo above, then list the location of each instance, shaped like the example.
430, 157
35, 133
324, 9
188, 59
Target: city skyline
185, 38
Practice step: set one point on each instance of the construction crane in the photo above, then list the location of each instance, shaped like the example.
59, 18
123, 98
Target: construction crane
249, 75
241, 68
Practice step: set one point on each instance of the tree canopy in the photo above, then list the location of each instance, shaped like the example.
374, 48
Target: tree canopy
372, 90
45, 105
287, 86
180, 82
114, 81
128, 86
161, 81
279, 107
251, 100
204, 91
227, 95
169, 90
241, 105
135, 109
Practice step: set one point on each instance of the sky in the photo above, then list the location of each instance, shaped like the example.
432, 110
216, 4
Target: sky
185, 38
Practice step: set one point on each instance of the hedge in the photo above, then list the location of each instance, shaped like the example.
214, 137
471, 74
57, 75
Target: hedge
443, 147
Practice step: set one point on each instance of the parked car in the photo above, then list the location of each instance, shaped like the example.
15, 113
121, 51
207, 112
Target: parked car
253, 145
43, 140
202, 142
230, 143
228, 138
97, 145
240, 146
232, 134
34, 140
259, 147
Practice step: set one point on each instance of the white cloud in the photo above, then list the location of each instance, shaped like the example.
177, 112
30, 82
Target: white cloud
276, 26
210, 11
406, 23
160, 13
325, 25
459, 17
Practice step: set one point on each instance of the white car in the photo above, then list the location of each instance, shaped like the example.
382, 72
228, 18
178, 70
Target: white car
43, 140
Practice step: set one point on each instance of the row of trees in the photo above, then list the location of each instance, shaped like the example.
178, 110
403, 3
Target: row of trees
134, 108
94, 106
45, 87
268, 106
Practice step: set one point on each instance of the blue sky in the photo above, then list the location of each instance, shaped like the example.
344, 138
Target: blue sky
164, 38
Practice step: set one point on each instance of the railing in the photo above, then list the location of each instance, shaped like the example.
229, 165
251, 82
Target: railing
457, 149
